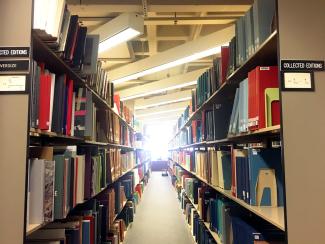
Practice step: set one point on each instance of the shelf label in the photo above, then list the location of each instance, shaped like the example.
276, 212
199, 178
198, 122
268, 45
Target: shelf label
298, 81
302, 65
14, 52
12, 83
14, 66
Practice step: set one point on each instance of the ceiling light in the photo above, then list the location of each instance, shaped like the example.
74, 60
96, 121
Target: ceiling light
174, 63
160, 112
163, 103
113, 41
191, 83
121, 29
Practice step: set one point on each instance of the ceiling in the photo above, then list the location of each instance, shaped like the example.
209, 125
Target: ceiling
169, 24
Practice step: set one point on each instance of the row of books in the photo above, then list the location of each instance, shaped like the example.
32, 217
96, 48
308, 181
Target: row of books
199, 231
208, 83
256, 105
99, 82
62, 177
204, 207
252, 30
59, 105
123, 110
211, 80
87, 224
64, 33
254, 175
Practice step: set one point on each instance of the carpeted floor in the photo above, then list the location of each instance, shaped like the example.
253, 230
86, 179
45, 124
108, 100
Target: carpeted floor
159, 219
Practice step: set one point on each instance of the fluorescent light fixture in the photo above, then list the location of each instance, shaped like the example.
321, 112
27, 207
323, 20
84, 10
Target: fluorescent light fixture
163, 103
160, 112
113, 41
191, 83
121, 29
177, 62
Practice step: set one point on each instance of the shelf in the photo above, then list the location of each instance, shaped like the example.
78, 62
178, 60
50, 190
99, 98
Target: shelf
34, 227
273, 215
36, 133
42, 53
273, 131
265, 55
207, 225
194, 145
123, 206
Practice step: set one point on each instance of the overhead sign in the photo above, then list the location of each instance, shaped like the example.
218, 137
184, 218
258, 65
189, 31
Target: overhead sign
14, 66
302, 65
14, 52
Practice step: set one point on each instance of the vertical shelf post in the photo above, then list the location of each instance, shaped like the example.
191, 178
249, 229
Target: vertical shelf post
15, 29
302, 37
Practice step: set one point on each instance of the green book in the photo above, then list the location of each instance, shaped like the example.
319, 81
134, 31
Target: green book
58, 186
271, 95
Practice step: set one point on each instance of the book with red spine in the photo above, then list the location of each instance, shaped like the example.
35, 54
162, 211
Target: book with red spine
44, 101
224, 64
265, 77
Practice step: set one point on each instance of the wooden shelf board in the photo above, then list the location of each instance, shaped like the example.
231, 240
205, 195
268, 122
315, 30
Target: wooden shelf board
123, 206
273, 130
34, 227
39, 133
273, 215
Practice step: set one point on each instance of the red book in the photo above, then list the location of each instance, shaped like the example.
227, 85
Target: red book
74, 43
203, 132
69, 107
252, 106
194, 130
44, 101
265, 77
224, 64
92, 228
117, 102
275, 110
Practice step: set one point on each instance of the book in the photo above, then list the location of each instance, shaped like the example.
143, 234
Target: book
89, 66
263, 14
260, 79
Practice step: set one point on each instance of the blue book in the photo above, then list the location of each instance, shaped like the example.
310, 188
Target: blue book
226, 168
234, 115
241, 109
265, 158
85, 232
247, 181
238, 177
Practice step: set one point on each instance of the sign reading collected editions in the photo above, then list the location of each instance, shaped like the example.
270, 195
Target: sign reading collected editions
14, 52
302, 65
12, 83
